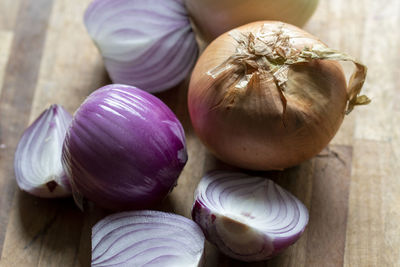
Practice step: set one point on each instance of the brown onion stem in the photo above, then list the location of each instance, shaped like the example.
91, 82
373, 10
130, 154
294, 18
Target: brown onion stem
273, 53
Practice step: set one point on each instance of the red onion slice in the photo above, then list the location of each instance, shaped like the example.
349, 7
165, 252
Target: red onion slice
37, 161
148, 44
147, 238
247, 218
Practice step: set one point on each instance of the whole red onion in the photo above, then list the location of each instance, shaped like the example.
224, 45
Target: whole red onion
124, 149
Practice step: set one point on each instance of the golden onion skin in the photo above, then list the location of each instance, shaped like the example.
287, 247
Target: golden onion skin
247, 127
214, 17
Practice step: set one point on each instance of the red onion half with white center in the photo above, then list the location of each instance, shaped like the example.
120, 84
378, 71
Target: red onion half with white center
125, 149
37, 162
147, 238
248, 218
148, 44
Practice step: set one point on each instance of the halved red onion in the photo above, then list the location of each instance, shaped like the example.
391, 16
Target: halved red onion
247, 218
147, 238
148, 44
37, 161
125, 149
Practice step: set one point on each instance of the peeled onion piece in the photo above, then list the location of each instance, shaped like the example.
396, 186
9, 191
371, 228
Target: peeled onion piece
37, 161
248, 218
124, 150
269, 95
147, 238
148, 44
213, 18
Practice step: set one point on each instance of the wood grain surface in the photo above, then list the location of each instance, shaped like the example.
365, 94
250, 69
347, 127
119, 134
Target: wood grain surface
352, 188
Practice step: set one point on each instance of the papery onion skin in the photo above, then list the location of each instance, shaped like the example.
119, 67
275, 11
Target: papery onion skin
37, 161
125, 148
248, 128
148, 44
213, 18
247, 234
147, 238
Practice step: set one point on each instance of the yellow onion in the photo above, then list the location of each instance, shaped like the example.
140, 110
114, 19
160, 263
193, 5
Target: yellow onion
214, 17
269, 95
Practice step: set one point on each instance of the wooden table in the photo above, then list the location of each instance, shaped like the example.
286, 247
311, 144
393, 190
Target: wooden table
351, 189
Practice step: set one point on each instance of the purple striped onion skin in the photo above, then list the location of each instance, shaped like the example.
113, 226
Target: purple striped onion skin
248, 218
37, 161
148, 44
147, 238
125, 148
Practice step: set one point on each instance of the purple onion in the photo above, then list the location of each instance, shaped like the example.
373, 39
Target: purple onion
125, 148
247, 218
147, 238
37, 161
148, 44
